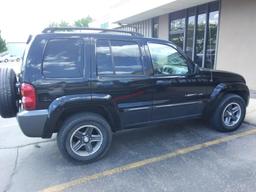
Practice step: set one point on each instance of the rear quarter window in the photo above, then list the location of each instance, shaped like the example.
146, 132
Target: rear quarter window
63, 58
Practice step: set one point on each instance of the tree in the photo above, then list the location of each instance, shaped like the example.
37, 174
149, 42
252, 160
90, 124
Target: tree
83, 22
64, 24
53, 24
3, 47
61, 24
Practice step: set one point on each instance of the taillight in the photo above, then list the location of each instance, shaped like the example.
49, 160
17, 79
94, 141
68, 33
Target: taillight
28, 94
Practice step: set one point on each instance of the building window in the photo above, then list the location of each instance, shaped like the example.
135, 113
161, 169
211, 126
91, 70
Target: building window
211, 40
190, 36
200, 38
177, 28
155, 27
195, 31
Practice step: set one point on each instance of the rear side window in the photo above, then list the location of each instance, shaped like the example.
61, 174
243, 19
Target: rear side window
63, 58
118, 58
126, 56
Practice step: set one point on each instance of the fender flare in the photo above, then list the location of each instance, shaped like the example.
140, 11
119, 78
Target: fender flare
81, 101
224, 88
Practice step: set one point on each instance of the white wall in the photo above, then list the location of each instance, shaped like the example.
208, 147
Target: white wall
143, 27
237, 39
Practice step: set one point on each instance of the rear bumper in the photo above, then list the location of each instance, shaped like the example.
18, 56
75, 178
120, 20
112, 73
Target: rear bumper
32, 123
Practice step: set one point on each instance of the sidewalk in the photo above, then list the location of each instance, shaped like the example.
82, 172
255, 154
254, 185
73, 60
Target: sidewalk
251, 112
253, 94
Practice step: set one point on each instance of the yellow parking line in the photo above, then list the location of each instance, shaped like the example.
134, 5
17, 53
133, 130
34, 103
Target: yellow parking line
138, 164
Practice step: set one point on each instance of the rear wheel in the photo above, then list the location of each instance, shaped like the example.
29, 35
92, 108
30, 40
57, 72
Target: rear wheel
84, 138
8, 93
229, 114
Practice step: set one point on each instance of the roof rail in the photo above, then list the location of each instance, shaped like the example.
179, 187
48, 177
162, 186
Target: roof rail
68, 29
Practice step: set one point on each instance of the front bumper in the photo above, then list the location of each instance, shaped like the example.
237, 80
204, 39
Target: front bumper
32, 123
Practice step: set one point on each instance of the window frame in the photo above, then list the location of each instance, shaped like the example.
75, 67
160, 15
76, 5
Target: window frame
142, 60
83, 59
189, 62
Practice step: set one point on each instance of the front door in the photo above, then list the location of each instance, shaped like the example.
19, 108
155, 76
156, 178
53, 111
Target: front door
178, 93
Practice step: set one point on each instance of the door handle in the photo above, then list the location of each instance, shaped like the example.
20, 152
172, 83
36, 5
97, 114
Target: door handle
163, 82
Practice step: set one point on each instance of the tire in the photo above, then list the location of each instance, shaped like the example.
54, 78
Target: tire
71, 133
229, 114
8, 93
6, 60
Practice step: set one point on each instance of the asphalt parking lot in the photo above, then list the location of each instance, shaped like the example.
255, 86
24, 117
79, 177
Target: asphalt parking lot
187, 156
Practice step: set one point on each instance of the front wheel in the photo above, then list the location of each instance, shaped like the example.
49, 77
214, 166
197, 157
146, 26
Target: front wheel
229, 114
84, 138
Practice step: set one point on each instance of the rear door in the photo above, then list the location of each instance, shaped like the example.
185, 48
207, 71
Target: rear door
120, 71
60, 69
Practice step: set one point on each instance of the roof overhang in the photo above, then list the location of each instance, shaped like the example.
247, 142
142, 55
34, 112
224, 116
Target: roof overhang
172, 6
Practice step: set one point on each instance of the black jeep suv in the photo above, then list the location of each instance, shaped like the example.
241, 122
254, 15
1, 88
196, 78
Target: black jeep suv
87, 83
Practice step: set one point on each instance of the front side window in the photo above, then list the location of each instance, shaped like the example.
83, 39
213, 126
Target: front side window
63, 58
166, 60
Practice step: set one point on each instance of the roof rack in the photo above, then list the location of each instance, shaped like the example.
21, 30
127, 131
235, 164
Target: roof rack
69, 29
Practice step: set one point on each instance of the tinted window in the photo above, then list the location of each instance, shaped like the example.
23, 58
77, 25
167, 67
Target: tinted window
103, 58
167, 60
122, 58
126, 57
63, 58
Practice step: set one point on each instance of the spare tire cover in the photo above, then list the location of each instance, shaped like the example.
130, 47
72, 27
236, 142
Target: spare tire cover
8, 93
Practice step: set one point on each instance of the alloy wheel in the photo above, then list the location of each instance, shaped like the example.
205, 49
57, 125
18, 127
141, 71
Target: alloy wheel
86, 140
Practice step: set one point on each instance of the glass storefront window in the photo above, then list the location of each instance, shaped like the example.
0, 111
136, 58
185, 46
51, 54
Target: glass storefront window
155, 25
211, 41
190, 36
177, 31
188, 27
201, 22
